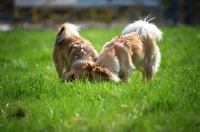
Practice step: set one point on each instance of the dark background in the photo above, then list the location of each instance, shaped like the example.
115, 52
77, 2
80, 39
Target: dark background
171, 12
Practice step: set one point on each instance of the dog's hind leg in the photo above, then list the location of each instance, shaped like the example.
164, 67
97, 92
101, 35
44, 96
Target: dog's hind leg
149, 72
144, 76
59, 69
58, 63
152, 66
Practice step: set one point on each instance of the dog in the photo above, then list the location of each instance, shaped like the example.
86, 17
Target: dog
71, 53
135, 48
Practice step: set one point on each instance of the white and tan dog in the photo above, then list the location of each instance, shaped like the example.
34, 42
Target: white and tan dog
135, 48
72, 52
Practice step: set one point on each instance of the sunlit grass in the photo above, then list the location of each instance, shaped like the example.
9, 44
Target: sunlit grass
33, 99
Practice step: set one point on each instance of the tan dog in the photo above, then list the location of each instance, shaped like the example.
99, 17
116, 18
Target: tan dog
72, 52
135, 49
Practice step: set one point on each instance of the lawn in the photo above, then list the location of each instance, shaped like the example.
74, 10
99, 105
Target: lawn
32, 99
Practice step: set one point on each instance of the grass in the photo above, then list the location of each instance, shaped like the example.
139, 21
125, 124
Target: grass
33, 99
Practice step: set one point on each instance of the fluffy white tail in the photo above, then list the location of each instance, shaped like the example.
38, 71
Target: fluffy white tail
144, 29
66, 30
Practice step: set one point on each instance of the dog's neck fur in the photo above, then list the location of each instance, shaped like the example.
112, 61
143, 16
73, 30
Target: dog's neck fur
114, 68
79, 61
108, 59
104, 60
121, 41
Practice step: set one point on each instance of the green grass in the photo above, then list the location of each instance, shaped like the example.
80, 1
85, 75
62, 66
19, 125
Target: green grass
33, 99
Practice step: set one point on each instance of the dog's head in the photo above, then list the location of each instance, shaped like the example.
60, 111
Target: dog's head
76, 72
79, 56
99, 73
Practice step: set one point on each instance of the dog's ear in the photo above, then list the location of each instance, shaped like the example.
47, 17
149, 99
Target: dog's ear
98, 70
103, 72
89, 66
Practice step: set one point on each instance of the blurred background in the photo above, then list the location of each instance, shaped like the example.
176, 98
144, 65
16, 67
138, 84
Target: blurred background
96, 13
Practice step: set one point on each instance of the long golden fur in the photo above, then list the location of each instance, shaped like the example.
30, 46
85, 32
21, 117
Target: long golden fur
72, 52
136, 48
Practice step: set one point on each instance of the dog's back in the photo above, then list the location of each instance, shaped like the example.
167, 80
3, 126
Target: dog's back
148, 34
71, 51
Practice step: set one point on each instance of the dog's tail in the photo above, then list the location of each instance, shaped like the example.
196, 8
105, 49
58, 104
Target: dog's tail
144, 29
66, 30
